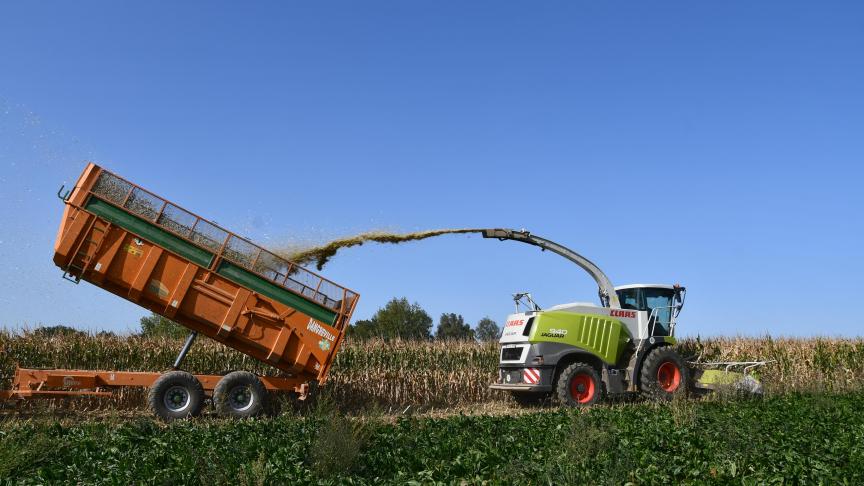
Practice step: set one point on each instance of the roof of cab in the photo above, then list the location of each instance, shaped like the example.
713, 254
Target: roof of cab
635, 286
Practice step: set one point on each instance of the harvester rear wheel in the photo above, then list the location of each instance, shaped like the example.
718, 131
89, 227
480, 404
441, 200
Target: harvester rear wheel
176, 395
240, 394
664, 374
579, 385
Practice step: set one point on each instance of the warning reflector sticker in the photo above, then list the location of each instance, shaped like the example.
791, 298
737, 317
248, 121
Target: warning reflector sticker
531, 376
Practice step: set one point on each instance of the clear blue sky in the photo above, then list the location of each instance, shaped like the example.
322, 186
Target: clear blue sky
716, 144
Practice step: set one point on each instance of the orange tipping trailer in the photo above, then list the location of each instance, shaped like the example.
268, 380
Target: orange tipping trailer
128, 241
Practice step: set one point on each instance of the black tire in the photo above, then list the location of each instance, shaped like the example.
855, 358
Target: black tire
664, 374
176, 395
529, 399
579, 385
240, 394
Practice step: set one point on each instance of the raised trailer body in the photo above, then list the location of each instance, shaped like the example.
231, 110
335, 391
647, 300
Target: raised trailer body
139, 246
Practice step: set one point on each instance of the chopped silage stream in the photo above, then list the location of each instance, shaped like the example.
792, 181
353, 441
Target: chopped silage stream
320, 255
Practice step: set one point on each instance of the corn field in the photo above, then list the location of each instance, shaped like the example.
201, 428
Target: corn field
421, 374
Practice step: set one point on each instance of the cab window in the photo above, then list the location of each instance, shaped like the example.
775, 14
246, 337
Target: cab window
629, 299
658, 301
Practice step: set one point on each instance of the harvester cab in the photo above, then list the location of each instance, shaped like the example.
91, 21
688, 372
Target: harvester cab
662, 303
579, 352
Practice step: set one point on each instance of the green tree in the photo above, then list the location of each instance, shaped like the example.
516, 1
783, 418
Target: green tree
362, 329
453, 327
487, 330
155, 325
397, 319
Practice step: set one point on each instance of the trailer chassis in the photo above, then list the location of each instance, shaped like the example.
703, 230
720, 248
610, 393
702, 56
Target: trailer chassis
30, 383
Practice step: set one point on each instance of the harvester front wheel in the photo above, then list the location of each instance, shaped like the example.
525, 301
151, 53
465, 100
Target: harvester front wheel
239, 394
579, 385
176, 395
664, 374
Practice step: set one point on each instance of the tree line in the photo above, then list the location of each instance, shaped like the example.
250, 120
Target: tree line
398, 319
403, 320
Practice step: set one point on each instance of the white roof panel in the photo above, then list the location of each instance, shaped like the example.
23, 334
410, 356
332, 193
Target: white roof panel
635, 286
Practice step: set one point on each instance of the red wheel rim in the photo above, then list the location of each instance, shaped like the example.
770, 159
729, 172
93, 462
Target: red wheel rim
582, 388
668, 376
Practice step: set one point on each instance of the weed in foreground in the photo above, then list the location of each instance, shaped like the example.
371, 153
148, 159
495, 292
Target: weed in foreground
339, 440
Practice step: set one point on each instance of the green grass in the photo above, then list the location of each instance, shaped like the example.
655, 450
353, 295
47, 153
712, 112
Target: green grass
812, 439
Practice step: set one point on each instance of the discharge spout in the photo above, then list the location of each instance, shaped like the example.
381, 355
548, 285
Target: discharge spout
606, 291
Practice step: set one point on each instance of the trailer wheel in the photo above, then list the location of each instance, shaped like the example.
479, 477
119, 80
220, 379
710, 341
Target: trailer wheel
176, 395
240, 394
579, 385
664, 374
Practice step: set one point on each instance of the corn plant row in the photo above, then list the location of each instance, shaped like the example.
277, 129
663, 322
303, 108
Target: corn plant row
433, 373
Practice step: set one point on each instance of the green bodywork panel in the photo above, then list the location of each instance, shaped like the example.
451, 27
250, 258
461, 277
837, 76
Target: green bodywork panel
204, 258
720, 379
602, 336
149, 232
263, 287
712, 378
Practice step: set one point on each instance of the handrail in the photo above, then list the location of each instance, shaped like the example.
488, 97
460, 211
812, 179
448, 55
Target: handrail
654, 313
63, 196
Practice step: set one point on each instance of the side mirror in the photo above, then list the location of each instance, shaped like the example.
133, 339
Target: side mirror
678, 298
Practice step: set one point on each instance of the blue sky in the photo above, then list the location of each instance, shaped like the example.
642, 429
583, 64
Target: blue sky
716, 144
